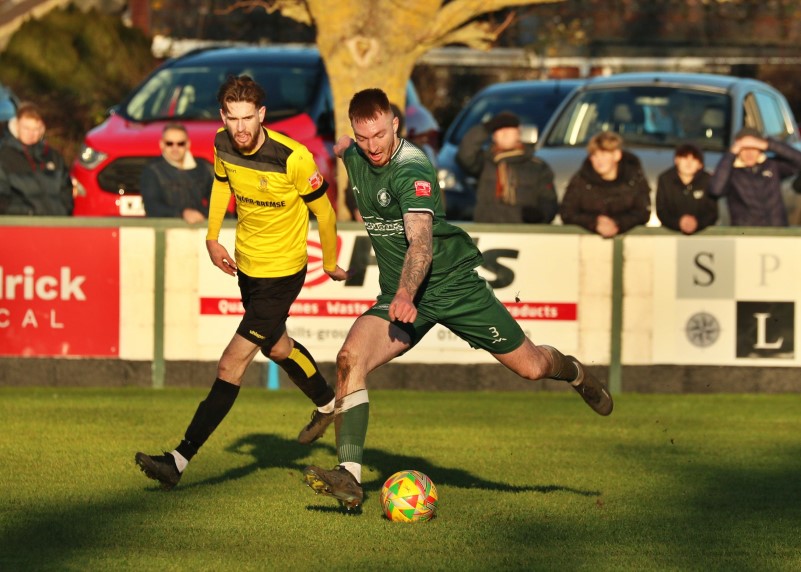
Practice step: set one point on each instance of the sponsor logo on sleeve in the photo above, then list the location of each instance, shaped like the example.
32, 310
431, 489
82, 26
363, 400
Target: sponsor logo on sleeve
316, 180
422, 188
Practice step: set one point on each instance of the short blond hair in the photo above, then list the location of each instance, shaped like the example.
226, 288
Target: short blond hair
605, 141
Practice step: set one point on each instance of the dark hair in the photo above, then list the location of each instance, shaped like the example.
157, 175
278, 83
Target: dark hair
399, 114
689, 150
367, 104
240, 88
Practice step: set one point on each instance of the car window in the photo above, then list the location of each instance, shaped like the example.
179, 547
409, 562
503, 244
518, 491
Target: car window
647, 116
190, 92
533, 108
773, 123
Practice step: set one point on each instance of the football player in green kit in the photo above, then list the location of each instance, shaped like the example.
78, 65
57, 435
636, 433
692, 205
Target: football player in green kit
427, 276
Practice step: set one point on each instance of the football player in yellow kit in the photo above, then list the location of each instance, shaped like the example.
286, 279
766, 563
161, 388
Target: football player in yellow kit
276, 183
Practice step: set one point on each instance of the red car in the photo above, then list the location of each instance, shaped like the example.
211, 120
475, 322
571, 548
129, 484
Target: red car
184, 89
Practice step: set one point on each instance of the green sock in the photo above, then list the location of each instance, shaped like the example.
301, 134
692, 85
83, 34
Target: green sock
354, 412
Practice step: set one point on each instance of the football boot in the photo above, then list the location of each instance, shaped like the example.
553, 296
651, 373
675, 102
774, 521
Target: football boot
160, 468
338, 483
316, 427
591, 390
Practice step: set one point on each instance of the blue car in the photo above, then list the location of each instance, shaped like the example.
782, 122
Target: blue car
8, 104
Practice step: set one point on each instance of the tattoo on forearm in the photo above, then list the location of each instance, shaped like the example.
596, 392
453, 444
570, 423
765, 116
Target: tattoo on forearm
419, 234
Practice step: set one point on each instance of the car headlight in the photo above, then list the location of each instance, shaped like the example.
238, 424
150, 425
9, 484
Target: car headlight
90, 158
448, 181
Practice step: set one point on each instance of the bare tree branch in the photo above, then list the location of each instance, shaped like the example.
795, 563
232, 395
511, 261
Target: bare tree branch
456, 14
293, 9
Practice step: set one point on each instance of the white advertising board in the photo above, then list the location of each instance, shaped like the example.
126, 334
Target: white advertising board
536, 276
726, 300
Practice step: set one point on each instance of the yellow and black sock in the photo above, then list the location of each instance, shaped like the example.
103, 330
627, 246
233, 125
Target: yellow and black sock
303, 371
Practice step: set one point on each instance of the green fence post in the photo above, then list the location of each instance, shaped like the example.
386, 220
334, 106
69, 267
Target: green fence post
158, 310
615, 377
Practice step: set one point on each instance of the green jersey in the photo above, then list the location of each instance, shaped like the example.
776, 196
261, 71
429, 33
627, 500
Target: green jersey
407, 184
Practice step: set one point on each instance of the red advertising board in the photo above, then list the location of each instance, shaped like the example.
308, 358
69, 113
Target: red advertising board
59, 291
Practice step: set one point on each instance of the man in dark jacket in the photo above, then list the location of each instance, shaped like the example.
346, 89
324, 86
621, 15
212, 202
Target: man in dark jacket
682, 201
175, 185
751, 181
514, 186
609, 194
34, 179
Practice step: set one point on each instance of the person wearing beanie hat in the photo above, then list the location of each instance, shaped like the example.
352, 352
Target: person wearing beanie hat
501, 120
751, 180
514, 186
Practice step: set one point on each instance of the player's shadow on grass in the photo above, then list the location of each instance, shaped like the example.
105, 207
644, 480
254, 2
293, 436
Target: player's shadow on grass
268, 451
272, 451
454, 477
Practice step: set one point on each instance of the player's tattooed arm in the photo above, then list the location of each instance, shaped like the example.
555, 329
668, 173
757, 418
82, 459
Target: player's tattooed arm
420, 235
419, 254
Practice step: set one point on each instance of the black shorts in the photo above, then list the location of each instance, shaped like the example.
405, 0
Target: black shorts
267, 302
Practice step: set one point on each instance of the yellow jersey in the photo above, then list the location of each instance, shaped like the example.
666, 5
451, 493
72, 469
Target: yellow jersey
274, 186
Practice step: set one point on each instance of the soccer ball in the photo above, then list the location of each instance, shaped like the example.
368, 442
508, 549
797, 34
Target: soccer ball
409, 496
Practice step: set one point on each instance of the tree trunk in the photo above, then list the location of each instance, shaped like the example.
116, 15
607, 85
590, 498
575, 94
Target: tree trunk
367, 44
375, 43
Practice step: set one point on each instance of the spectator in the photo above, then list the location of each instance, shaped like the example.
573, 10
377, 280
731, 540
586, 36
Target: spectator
174, 184
514, 186
751, 181
609, 194
34, 180
682, 201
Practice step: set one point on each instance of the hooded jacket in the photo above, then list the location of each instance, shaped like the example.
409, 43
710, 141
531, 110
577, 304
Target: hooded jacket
754, 193
626, 200
33, 179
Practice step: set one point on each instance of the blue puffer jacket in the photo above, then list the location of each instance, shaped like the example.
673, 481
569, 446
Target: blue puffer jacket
33, 179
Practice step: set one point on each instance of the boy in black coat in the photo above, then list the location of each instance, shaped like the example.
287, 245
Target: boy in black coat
682, 200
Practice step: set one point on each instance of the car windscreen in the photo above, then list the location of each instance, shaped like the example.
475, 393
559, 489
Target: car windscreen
533, 108
650, 116
190, 92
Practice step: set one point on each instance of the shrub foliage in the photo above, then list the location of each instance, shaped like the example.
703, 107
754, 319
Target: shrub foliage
74, 71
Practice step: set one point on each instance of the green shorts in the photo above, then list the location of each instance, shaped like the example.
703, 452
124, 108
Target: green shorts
467, 306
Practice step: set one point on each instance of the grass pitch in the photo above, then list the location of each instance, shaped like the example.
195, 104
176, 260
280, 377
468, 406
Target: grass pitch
527, 481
